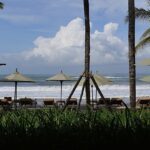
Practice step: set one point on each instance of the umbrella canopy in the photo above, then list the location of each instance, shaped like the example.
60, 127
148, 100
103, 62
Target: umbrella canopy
16, 77
60, 77
145, 78
100, 80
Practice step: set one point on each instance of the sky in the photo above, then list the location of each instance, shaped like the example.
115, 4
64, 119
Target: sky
48, 36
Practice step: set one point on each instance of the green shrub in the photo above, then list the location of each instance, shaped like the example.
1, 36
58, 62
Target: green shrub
54, 128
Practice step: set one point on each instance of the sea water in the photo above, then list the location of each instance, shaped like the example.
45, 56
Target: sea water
51, 89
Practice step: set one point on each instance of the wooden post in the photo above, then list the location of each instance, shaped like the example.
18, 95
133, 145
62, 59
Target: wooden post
97, 88
74, 88
82, 91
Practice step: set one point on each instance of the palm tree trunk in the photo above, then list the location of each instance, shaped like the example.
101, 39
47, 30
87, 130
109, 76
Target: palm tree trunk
87, 50
131, 40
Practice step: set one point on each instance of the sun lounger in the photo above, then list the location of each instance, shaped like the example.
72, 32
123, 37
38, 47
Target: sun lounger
116, 102
27, 102
8, 99
93, 104
49, 102
60, 103
103, 102
6, 103
143, 102
72, 103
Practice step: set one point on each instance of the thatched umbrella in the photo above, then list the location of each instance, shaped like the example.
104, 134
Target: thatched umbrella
16, 77
61, 77
145, 79
100, 80
145, 62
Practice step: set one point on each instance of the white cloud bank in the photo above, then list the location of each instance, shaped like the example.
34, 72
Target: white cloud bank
67, 46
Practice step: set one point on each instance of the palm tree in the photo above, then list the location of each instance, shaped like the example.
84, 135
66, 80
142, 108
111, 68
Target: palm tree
1, 5
143, 14
131, 40
87, 50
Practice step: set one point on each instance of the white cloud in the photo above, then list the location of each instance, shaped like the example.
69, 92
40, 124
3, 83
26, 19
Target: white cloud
110, 28
67, 46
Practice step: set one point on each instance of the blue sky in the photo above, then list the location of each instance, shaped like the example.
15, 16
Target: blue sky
47, 36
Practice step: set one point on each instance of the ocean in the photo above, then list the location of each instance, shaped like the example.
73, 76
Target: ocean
46, 89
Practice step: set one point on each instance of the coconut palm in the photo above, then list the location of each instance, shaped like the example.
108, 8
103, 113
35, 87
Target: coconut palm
143, 14
1, 5
87, 50
131, 40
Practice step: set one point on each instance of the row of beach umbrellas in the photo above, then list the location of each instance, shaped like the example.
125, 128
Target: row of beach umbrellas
61, 77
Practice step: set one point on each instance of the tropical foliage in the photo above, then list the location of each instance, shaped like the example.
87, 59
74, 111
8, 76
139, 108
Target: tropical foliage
143, 14
72, 129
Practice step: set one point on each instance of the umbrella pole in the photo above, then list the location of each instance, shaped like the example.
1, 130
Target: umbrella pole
15, 95
92, 91
97, 88
82, 91
74, 88
61, 90
96, 95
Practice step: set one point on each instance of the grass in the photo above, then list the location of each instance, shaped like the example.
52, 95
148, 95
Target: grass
74, 129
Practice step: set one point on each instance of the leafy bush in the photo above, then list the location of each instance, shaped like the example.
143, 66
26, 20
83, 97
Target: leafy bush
74, 129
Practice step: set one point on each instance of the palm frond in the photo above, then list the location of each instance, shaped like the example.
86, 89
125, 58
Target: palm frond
143, 14
143, 43
140, 13
145, 34
1, 5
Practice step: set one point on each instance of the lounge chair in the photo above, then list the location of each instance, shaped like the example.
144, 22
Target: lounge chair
8, 100
143, 102
117, 102
72, 103
60, 103
27, 102
49, 102
93, 104
103, 102
6, 103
